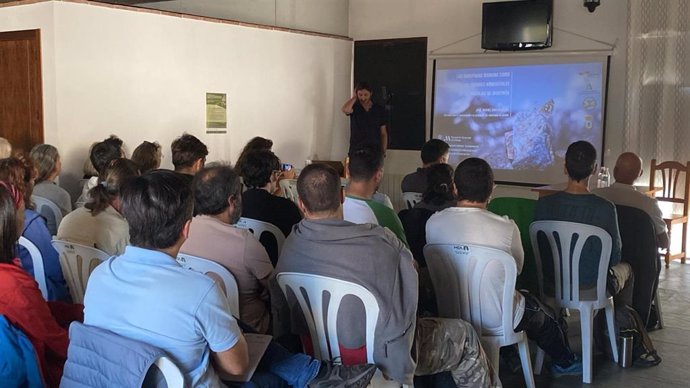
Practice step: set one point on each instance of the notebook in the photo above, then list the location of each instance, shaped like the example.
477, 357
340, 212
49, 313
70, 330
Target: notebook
256, 346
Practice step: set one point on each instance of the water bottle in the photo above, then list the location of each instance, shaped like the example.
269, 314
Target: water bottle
603, 178
625, 351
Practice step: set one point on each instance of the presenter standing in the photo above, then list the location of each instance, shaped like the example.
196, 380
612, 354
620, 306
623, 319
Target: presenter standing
367, 120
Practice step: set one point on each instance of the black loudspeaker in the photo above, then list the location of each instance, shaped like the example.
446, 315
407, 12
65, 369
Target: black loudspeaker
396, 70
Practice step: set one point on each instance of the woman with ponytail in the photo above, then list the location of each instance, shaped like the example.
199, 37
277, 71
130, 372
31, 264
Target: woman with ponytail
21, 302
99, 223
440, 192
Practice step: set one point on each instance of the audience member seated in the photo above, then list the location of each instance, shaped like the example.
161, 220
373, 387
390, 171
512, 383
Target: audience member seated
100, 223
5, 148
101, 155
19, 172
470, 223
261, 170
371, 256
434, 151
440, 191
212, 236
577, 204
188, 156
440, 194
148, 156
147, 296
88, 169
622, 192
47, 160
21, 301
257, 143
366, 171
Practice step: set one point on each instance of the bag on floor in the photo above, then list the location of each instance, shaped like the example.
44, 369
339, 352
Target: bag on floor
629, 324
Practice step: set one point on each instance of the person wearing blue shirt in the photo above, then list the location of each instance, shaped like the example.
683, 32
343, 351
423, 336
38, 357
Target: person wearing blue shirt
36, 231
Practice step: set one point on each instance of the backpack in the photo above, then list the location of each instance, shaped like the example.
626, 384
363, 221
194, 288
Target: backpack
629, 324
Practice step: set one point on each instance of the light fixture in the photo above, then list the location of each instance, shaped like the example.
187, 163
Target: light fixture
591, 5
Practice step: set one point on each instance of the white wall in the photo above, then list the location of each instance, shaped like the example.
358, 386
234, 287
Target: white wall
326, 16
447, 21
143, 76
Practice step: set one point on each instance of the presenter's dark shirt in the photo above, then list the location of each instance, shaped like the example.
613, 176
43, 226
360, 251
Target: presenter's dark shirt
365, 126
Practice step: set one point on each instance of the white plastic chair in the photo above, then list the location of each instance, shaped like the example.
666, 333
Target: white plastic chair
289, 187
172, 374
37, 260
215, 271
411, 198
567, 278
50, 211
77, 262
327, 347
457, 272
258, 228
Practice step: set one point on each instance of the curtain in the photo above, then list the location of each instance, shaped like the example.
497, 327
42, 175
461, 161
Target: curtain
657, 106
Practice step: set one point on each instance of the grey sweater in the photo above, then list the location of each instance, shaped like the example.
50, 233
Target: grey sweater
368, 255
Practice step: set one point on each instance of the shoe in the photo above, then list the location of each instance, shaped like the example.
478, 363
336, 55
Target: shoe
341, 376
574, 369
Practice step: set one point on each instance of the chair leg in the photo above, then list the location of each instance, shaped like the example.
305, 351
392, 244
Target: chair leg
684, 242
587, 333
667, 256
610, 316
523, 346
539, 361
657, 303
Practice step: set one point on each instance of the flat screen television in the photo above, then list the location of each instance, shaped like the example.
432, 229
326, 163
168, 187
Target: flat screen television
517, 25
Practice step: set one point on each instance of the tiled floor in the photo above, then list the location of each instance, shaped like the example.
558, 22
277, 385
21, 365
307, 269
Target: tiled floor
672, 343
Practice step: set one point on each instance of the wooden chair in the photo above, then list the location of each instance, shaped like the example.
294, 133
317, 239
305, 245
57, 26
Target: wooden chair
672, 192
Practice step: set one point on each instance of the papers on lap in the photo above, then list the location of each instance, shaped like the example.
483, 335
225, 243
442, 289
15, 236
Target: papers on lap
256, 346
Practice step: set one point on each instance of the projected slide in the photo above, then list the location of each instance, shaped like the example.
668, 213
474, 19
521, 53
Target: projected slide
520, 118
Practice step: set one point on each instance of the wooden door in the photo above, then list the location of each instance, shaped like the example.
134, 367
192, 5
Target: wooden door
21, 91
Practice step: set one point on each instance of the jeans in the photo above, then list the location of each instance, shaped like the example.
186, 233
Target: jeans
280, 368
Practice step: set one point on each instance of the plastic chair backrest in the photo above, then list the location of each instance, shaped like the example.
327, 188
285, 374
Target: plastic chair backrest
315, 287
289, 187
411, 199
458, 272
172, 374
37, 260
258, 228
50, 211
520, 210
77, 262
216, 272
566, 262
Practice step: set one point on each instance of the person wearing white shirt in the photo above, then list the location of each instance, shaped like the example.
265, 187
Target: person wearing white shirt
469, 222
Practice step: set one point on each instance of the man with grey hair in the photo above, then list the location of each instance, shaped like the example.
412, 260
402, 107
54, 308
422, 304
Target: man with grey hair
47, 161
213, 236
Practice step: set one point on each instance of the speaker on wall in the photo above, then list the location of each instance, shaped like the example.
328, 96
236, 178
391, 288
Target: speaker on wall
396, 70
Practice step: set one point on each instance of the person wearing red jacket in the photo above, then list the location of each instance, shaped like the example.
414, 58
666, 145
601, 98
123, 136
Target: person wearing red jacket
21, 302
